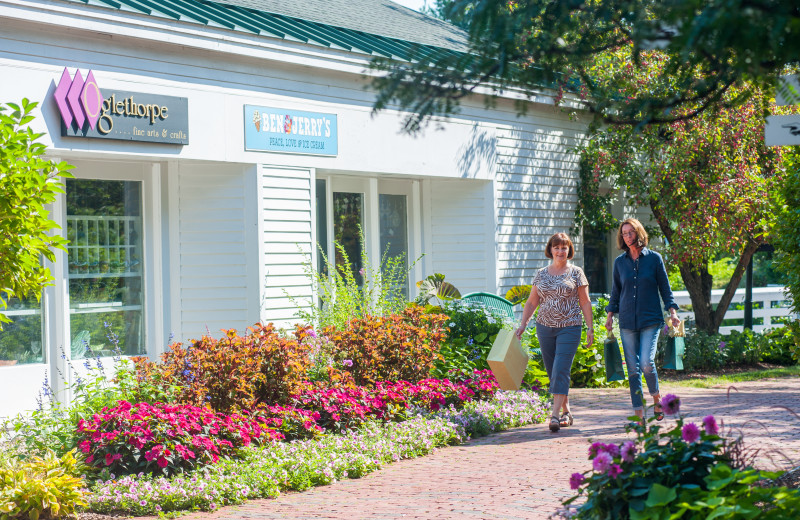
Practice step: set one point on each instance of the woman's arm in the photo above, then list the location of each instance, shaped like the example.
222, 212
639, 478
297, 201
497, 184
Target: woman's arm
530, 306
586, 307
613, 302
666, 292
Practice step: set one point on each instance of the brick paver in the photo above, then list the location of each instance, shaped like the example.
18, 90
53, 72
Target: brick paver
523, 473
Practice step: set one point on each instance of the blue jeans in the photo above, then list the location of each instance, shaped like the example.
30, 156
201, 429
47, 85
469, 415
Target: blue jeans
640, 358
558, 345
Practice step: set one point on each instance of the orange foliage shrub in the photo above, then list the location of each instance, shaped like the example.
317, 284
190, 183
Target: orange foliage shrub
389, 348
234, 372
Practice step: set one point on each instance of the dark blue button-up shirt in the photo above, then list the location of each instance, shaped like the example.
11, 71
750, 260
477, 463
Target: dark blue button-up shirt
635, 289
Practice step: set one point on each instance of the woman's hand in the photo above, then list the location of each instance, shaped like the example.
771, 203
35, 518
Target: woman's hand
520, 330
589, 337
675, 320
610, 322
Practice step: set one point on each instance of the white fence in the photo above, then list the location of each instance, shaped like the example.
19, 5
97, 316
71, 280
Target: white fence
770, 308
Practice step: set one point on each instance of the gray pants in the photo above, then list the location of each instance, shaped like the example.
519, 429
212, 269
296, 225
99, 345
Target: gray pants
558, 345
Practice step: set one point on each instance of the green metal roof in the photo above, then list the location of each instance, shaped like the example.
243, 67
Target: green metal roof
273, 25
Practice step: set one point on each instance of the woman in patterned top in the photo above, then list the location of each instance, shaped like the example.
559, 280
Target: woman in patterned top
561, 292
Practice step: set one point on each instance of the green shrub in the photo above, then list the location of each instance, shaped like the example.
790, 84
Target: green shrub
235, 372
391, 348
46, 487
781, 343
344, 294
472, 328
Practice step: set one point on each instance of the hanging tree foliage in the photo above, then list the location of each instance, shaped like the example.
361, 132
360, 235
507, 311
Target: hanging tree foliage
708, 180
28, 182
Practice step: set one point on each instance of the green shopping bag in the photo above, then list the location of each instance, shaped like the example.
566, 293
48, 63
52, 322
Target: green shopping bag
676, 347
612, 359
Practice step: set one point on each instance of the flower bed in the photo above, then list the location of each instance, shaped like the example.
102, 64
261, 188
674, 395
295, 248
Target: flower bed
265, 471
165, 438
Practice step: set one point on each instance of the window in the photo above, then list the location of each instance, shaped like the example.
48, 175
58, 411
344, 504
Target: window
21, 340
104, 226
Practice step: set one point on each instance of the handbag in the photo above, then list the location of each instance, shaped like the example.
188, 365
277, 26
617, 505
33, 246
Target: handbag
612, 359
676, 346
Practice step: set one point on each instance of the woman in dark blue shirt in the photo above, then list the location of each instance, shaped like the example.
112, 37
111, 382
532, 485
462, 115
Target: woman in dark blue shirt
639, 278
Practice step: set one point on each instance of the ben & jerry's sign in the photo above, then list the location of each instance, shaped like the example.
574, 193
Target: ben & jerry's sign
130, 116
268, 129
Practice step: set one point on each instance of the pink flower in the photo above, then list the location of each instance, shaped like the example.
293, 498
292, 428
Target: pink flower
162, 462
671, 404
614, 471
690, 432
576, 480
710, 425
85, 446
601, 462
628, 451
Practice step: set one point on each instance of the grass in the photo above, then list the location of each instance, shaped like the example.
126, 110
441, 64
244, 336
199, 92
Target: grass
709, 381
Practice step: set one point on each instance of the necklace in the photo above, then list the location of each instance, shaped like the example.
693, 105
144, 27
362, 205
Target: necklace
561, 272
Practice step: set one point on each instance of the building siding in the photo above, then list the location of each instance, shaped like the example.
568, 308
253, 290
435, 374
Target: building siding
536, 194
212, 250
287, 237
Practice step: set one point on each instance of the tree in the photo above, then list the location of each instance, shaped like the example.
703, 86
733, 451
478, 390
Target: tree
787, 227
28, 182
712, 48
708, 180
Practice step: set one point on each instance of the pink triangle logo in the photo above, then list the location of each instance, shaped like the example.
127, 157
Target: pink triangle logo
78, 100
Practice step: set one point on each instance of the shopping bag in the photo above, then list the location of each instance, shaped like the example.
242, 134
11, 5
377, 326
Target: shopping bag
613, 359
676, 346
508, 360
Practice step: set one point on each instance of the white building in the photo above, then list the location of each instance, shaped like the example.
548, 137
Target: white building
216, 143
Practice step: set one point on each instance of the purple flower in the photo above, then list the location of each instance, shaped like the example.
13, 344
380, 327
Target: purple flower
614, 471
601, 462
362, 271
628, 451
347, 362
671, 404
576, 480
690, 432
612, 449
710, 425
595, 448
721, 346
311, 332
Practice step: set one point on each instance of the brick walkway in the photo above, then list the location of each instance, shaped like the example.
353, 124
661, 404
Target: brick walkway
523, 473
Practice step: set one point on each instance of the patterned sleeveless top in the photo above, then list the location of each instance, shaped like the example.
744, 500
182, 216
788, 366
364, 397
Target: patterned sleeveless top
559, 305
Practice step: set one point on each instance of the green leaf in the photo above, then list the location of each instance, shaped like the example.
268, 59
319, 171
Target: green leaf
660, 495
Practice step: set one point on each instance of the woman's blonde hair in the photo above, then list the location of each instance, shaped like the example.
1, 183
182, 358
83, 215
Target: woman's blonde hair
638, 228
557, 240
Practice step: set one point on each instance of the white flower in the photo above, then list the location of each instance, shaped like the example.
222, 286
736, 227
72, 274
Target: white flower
490, 319
451, 324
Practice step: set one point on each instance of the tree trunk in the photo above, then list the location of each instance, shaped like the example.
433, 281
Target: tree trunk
698, 281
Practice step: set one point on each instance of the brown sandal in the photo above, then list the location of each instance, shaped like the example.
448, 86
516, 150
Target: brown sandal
658, 412
555, 423
566, 419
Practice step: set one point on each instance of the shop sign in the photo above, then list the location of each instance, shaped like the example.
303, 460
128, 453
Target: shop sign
289, 131
129, 116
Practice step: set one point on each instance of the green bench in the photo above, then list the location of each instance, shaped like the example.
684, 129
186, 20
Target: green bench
491, 301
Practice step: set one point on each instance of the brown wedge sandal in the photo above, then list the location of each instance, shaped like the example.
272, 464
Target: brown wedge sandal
555, 423
566, 419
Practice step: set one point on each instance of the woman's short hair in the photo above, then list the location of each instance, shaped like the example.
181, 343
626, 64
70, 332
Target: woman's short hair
559, 239
638, 228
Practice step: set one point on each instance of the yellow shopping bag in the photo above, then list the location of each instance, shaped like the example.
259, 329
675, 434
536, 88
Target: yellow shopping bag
508, 360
